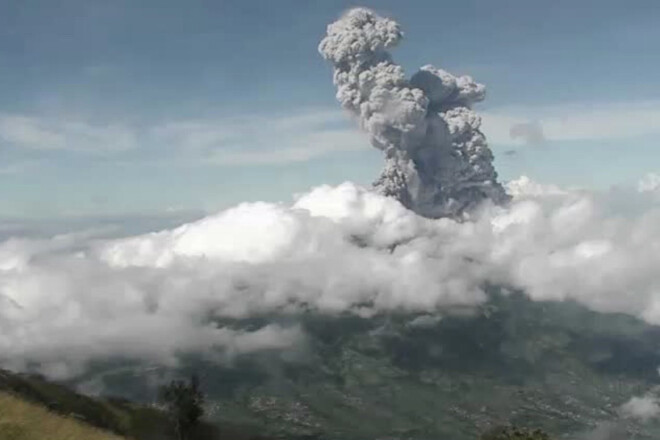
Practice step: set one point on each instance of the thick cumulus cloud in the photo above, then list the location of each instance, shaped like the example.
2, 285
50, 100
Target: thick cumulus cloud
643, 408
649, 183
437, 160
73, 299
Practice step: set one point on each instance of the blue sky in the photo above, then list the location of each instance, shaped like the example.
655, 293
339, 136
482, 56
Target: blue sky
143, 107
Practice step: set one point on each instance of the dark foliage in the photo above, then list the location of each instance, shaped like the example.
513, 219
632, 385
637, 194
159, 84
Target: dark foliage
514, 433
185, 404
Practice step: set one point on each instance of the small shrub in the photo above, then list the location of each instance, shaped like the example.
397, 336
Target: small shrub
514, 433
185, 405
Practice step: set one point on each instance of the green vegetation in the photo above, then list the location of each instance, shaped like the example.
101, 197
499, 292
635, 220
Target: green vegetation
24, 416
515, 433
21, 420
185, 405
28, 400
555, 366
117, 416
114, 415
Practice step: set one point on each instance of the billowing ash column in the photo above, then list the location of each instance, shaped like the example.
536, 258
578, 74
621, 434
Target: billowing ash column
437, 161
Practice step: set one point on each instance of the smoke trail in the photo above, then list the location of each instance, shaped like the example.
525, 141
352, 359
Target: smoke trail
437, 161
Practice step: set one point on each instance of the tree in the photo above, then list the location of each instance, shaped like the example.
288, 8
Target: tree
185, 404
514, 433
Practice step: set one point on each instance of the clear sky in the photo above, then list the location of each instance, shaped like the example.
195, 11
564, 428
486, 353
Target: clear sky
140, 107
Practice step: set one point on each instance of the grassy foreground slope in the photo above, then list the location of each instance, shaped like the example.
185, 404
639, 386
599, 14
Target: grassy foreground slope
116, 416
22, 420
31, 406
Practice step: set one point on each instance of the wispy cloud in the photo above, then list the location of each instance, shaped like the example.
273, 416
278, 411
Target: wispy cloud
572, 122
530, 132
649, 183
17, 168
263, 139
41, 133
236, 140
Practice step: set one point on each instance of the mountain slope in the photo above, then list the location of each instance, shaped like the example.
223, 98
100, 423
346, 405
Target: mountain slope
72, 413
22, 420
117, 416
556, 366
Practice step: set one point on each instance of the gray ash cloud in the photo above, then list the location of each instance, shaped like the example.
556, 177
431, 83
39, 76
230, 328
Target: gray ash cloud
438, 162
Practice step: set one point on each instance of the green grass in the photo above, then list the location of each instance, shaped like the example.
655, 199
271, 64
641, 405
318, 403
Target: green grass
27, 399
22, 420
118, 416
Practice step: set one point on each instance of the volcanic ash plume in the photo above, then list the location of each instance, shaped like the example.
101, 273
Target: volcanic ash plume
437, 161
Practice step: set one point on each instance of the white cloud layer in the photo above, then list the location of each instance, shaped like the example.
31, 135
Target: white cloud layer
72, 299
